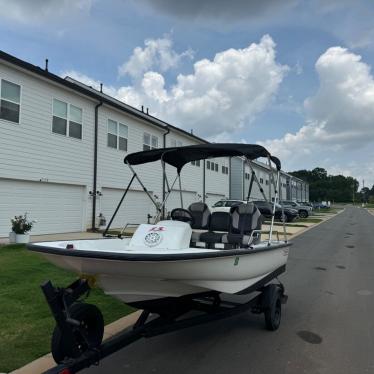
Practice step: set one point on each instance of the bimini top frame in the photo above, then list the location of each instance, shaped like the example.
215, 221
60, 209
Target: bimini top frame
180, 156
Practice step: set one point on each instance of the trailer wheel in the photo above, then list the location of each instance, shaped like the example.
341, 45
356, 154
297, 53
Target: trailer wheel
272, 297
88, 335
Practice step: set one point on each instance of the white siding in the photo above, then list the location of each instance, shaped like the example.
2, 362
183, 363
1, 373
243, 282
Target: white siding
174, 201
30, 150
135, 208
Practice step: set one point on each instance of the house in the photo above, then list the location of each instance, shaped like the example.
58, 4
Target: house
62, 146
290, 187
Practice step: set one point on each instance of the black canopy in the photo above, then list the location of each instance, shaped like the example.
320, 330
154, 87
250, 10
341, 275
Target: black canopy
179, 156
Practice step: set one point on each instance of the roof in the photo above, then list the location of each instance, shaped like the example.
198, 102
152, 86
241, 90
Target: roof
179, 156
81, 88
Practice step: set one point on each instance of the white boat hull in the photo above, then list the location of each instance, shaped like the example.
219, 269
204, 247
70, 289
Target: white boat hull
137, 280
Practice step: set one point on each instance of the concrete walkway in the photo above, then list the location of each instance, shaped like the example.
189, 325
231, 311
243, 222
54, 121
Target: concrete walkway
55, 237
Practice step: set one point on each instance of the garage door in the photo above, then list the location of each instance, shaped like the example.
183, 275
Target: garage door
57, 208
212, 198
174, 200
134, 208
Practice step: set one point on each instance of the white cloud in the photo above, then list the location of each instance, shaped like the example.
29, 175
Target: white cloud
28, 12
157, 53
219, 97
340, 117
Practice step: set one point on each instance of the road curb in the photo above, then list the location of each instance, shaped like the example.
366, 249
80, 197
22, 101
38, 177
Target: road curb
46, 362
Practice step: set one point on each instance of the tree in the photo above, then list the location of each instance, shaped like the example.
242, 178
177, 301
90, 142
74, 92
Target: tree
324, 187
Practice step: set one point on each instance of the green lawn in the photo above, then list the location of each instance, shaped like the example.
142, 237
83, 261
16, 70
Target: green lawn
326, 210
26, 323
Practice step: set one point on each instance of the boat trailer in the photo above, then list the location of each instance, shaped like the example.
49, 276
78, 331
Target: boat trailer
77, 338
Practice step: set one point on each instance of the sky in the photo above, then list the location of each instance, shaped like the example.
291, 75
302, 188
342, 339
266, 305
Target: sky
293, 75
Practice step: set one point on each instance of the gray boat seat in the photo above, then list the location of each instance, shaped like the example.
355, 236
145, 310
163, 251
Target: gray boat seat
201, 214
219, 221
244, 219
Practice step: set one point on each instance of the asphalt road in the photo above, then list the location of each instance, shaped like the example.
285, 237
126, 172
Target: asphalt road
327, 324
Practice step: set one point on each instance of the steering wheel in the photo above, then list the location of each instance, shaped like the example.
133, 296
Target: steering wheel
184, 215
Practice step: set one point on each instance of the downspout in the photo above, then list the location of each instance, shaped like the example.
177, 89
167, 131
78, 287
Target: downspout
243, 179
163, 176
230, 177
94, 192
203, 181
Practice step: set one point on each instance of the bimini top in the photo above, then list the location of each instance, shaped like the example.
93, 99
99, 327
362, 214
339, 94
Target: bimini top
179, 156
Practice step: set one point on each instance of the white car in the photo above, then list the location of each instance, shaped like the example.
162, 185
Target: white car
225, 205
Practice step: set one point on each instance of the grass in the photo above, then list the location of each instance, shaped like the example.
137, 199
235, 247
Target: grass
26, 323
325, 211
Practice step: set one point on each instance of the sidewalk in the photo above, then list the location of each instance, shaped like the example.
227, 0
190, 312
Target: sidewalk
56, 237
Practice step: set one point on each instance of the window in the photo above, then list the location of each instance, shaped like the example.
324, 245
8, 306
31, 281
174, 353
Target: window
117, 135
216, 167
10, 101
60, 117
176, 143
208, 165
149, 142
247, 176
267, 182
196, 163
75, 123
64, 114
233, 203
225, 170
261, 181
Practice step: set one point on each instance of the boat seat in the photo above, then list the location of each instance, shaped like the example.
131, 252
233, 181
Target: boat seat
201, 214
219, 221
244, 219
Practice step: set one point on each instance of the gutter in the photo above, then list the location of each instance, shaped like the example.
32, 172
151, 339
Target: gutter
94, 192
163, 176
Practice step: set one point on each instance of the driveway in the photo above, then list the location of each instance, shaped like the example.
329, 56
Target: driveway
327, 326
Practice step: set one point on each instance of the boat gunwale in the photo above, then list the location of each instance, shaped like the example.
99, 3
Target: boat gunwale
34, 247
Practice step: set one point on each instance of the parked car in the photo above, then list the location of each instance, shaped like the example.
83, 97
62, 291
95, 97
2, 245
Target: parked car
320, 205
266, 210
304, 210
225, 205
307, 203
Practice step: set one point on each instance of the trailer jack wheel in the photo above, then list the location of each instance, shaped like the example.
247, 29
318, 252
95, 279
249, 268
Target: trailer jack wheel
273, 307
87, 330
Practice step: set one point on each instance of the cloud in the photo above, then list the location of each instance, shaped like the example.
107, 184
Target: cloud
157, 54
222, 9
219, 97
339, 117
28, 12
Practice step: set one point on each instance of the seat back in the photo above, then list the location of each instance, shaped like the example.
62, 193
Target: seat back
245, 218
219, 221
201, 214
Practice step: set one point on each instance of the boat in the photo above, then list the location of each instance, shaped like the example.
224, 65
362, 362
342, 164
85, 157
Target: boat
193, 252
187, 262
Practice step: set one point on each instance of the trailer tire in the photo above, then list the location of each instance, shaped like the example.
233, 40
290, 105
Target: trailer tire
86, 336
272, 297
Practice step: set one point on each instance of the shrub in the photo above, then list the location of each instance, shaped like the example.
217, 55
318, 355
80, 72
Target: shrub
21, 224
